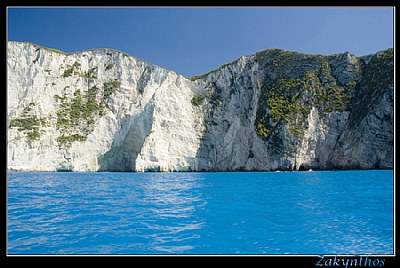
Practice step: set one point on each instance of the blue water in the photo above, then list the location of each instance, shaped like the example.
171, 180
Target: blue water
327, 212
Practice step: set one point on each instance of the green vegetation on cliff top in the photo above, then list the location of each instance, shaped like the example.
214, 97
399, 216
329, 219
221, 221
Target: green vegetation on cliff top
293, 84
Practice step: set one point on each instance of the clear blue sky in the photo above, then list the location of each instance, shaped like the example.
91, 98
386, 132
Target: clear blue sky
193, 41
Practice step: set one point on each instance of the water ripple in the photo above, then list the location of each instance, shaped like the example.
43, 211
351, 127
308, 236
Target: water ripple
179, 213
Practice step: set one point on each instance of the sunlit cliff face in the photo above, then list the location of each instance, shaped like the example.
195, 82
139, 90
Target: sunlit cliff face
103, 110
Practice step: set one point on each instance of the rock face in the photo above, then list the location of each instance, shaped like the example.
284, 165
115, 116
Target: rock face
103, 110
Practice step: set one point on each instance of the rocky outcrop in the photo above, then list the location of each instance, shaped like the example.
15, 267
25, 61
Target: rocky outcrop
103, 110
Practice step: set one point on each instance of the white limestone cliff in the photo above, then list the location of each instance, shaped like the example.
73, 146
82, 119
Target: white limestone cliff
103, 110
150, 117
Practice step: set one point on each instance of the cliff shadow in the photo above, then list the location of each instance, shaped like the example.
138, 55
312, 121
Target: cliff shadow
127, 142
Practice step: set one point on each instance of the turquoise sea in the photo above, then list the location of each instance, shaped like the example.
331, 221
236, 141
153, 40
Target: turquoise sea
319, 212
